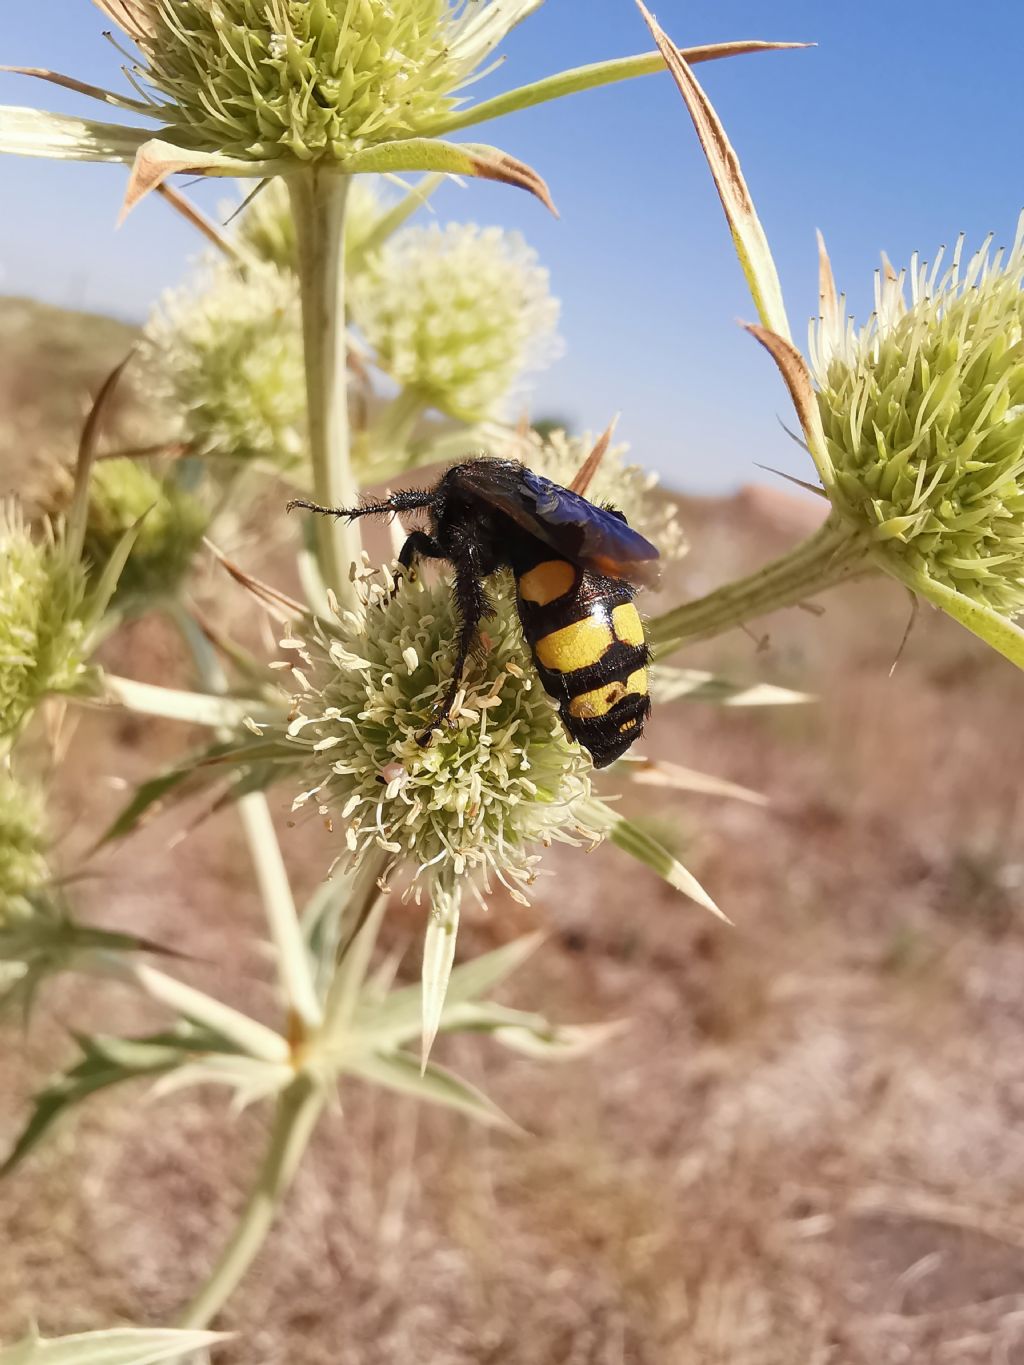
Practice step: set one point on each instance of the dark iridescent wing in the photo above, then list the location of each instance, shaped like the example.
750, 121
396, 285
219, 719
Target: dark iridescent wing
589, 535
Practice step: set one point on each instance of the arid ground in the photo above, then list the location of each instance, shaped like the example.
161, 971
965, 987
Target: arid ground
805, 1145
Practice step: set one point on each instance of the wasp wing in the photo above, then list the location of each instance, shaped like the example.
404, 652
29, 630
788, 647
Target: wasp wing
578, 529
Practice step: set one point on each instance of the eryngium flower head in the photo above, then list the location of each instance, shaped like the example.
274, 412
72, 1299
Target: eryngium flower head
23, 846
42, 596
631, 489
227, 356
502, 780
457, 314
171, 523
258, 79
923, 412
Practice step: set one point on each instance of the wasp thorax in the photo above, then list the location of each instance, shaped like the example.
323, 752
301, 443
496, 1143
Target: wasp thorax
924, 416
498, 782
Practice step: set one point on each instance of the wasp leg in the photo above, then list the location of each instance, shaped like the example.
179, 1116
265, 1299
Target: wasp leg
418, 545
472, 604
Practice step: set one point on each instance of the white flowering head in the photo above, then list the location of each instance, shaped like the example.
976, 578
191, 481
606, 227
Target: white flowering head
494, 786
259, 79
23, 848
630, 488
227, 357
923, 412
126, 494
457, 314
42, 626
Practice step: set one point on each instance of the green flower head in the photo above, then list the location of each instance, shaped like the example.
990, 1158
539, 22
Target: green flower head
42, 626
23, 847
258, 79
923, 412
171, 523
494, 787
227, 357
457, 314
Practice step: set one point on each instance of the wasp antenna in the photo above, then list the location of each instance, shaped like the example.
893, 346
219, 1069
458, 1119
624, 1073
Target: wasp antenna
315, 507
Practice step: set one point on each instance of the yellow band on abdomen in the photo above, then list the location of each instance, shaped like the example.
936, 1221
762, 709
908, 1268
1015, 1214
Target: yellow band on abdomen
627, 624
579, 645
601, 700
546, 582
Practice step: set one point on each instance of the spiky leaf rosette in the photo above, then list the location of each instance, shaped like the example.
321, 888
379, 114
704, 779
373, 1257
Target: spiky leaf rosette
258, 79
457, 314
42, 627
629, 487
923, 412
494, 787
227, 357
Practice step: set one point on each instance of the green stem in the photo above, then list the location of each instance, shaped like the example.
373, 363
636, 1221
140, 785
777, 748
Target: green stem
294, 969
318, 207
830, 556
298, 1111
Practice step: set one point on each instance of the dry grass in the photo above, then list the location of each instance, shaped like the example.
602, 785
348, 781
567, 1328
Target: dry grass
804, 1149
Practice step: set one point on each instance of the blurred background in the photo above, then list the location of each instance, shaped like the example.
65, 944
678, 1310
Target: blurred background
805, 1144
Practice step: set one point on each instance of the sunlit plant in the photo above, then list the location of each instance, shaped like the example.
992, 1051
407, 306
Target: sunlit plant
269, 360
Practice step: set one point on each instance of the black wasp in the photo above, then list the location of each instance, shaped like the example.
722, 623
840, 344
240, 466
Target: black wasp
576, 566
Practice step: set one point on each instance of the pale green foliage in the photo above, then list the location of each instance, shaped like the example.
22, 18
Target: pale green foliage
42, 592
228, 358
628, 487
923, 413
171, 522
23, 845
262, 78
496, 784
457, 314
266, 229
116, 1346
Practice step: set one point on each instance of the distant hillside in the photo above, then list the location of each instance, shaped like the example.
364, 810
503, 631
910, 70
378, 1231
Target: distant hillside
51, 363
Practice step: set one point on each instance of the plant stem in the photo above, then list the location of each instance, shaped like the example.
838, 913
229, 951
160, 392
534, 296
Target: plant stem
298, 1111
830, 556
294, 968
318, 208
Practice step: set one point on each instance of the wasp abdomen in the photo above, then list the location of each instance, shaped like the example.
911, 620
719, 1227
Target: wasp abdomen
588, 643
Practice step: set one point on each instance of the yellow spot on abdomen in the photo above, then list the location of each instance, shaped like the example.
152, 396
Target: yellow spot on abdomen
627, 624
546, 582
601, 700
577, 646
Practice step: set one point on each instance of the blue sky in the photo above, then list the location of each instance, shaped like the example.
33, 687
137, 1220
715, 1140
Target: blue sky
903, 127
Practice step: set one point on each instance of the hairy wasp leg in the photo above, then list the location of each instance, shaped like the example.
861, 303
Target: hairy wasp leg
418, 545
472, 604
